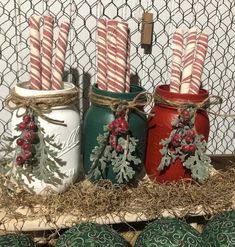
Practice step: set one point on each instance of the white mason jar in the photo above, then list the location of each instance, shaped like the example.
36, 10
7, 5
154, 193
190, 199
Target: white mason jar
68, 136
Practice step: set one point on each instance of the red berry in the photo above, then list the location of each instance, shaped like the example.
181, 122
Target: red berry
111, 126
176, 137
19, 160
116, 122
26, 119
26, 146
27, 155
124, 124
33, 126
192, 148
120, 120
113, 144
188, 139
119, 148
191, 133
113, 141
22, 126
115, 131
123, 127
29, 135
186, 115
175, 143
19, 141
181, 125
185, 148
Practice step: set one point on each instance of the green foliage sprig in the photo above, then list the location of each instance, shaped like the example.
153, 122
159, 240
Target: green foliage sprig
30, 155
116, 147
184, 143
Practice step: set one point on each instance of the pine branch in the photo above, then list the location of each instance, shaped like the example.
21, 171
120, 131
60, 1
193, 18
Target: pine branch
47, 169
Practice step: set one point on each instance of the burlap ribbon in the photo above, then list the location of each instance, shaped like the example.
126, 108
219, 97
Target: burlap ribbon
138, 103
42, 104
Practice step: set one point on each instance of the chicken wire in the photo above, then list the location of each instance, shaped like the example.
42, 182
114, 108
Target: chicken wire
216, 17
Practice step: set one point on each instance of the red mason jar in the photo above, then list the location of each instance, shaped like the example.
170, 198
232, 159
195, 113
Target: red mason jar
160, 127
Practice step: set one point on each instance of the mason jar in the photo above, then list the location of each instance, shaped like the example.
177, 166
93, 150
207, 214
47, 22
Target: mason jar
99, 115
160, 127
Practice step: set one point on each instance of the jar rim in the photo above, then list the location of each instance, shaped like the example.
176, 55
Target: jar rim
22, 88
164, 91
134, 91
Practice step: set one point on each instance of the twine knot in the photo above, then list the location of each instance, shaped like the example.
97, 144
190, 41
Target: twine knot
141, 100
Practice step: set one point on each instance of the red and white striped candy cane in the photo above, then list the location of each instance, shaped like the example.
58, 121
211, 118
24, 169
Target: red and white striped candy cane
122, 53
101, 54
202, 43
188, 60
128, 63
177, 53
35, 47
58, 70
47, 47
113, 69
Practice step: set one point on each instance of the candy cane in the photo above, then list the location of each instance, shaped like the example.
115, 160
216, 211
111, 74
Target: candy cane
122, 55
128, 63
47, 47
177, 49
200, 56
101, 54
114, 83
188, 60
62, 42
35, 47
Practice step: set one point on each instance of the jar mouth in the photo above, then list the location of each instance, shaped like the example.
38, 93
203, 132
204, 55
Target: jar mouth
23, 88
164, 91
134, 90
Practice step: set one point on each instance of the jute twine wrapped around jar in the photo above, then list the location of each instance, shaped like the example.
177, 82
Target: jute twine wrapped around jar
42, 104
116, 105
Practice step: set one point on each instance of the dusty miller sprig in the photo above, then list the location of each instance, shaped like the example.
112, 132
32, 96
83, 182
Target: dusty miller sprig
184, 143
116, 147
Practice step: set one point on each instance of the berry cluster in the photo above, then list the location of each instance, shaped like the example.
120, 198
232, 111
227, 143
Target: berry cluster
26, 140
185, 138
117, 127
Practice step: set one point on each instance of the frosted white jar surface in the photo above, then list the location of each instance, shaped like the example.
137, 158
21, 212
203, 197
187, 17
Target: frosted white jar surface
68, 136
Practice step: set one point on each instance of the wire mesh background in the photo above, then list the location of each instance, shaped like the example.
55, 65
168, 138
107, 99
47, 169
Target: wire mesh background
216, 17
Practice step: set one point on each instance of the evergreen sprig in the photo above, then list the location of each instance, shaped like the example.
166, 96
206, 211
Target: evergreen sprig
44, 166
48, 167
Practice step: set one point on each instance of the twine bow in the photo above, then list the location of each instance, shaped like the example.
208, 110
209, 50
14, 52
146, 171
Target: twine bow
116, 105
42, 104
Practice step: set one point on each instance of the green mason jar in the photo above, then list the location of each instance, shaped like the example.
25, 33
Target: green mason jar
100, 115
